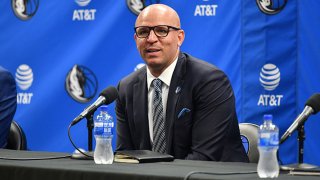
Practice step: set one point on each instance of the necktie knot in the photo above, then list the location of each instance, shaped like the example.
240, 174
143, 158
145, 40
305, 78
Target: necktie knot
157, 84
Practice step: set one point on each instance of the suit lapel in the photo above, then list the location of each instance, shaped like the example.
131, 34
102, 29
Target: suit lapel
174, 93
140, 111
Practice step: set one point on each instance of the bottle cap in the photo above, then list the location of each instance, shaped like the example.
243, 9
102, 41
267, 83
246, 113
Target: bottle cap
104, 108
267, 117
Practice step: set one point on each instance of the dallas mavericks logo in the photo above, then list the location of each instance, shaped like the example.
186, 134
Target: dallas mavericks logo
245, 143
136, 6
82, 2
81, 84
24, 76
25, 9
269, 77
270, 6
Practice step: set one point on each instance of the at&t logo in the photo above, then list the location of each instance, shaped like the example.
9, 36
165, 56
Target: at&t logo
83, 2
24, 79
205, 9
269, 77
270, 80
84, 14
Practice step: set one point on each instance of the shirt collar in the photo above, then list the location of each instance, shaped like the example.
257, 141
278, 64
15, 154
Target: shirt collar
165, 76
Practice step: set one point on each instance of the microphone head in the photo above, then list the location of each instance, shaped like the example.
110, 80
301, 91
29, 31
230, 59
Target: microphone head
110, 94
314, 103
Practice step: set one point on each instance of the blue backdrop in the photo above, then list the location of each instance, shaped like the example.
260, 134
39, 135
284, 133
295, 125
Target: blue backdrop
63, 53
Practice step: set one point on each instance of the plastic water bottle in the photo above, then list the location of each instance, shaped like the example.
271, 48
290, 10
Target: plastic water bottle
103, 133
268, 145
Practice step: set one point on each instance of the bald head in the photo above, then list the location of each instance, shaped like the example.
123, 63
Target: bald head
160, 47
160, 14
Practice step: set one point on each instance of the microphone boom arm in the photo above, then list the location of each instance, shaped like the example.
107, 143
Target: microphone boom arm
91, 108
302, 117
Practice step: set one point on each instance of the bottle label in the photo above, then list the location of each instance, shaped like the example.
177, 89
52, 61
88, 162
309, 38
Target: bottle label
103, 125
108, 128
98, 124
98, 128
268, 139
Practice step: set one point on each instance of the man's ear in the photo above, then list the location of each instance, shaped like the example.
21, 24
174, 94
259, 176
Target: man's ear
135, 39
181, 36
135, 36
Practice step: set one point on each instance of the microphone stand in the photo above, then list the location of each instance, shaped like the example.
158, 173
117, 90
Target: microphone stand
90, 126
300, 165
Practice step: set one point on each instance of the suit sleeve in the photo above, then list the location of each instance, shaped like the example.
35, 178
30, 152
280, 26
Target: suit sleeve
214, 117
8, 105
123, 131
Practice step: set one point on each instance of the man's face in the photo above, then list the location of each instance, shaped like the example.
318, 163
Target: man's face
158, 52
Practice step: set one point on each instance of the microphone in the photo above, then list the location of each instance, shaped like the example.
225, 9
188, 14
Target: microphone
107, 96
312, 106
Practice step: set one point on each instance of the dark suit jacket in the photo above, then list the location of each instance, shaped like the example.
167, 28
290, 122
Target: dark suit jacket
209, 131
8, 104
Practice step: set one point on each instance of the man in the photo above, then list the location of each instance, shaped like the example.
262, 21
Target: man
8, 104
177, 104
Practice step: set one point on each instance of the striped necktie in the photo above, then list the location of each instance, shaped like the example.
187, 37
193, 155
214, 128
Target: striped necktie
159, 134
